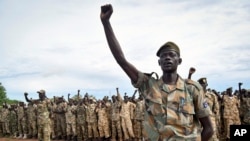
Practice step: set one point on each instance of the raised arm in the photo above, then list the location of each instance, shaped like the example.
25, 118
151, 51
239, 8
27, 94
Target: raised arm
130, 70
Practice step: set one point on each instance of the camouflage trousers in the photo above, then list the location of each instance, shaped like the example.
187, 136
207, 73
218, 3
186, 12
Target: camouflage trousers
228, 122
246, 118
22, 128
138, 127
92, 130
71, 129
103, 127
127, 128
52, 127
116, 130
32, 127
5, 127
214, 137
60, 125
13, 128
81, 131
44, 132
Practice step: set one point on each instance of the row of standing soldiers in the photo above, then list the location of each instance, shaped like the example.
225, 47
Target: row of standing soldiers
119, 119
75, 119
227, 108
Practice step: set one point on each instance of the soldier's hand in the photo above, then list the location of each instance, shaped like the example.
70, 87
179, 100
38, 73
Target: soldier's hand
25, 93
106, 12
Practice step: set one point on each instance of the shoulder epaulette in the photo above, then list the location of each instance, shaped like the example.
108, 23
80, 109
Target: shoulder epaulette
194, 83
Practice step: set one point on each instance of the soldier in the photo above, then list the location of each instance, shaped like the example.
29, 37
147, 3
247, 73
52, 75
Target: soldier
60, 118
53, 119
21, 124
70, 120
13, 121
212, 101
91, 119
115, 117
231, 111
43, 115
31, 117
5, 121
139, 118
81, 120
171, 102
103, 120
246, 118
126, 122
108, 108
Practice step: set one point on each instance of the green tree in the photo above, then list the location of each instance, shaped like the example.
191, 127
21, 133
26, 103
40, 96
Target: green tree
3, 96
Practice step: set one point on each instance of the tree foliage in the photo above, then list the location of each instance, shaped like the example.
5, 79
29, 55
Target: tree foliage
3, 96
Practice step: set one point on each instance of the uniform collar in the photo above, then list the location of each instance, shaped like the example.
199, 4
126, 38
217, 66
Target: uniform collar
178, 86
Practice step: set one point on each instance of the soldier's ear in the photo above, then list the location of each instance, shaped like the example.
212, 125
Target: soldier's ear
180, 60
159, 62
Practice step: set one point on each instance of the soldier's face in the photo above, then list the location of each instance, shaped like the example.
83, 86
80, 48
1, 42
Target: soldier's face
169, 60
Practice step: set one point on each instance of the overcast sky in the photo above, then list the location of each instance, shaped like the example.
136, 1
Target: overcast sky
60, 45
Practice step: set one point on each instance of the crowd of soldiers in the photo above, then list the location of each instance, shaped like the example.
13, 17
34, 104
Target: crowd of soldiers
75, 119
120, 119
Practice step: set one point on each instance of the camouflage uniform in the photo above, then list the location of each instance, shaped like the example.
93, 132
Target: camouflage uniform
5, 123
91, 119
70, 120
13, 123
243, 107
31, 117
103, 123
211, 99
43, 119
138, 119
126, 122
231, 113
246, 118
60, 119
171, 111
20, 117
115, 120
81, 122
53, 121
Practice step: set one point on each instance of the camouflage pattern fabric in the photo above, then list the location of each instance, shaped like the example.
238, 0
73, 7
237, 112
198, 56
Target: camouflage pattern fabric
43, 120
231, 113
20, 116
116, 121
31, 118
138, 119
60, 119
70, 120
81, 122
214, 106
171, 111
126, 122
103, 122
13, 122
91, 119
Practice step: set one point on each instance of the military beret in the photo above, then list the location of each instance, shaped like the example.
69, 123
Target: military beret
41, 92
168, 45
202, 80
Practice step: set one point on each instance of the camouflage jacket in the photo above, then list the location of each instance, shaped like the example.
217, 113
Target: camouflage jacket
172, 111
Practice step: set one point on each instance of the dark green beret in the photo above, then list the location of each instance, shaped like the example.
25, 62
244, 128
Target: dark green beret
168, 45
202, 80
